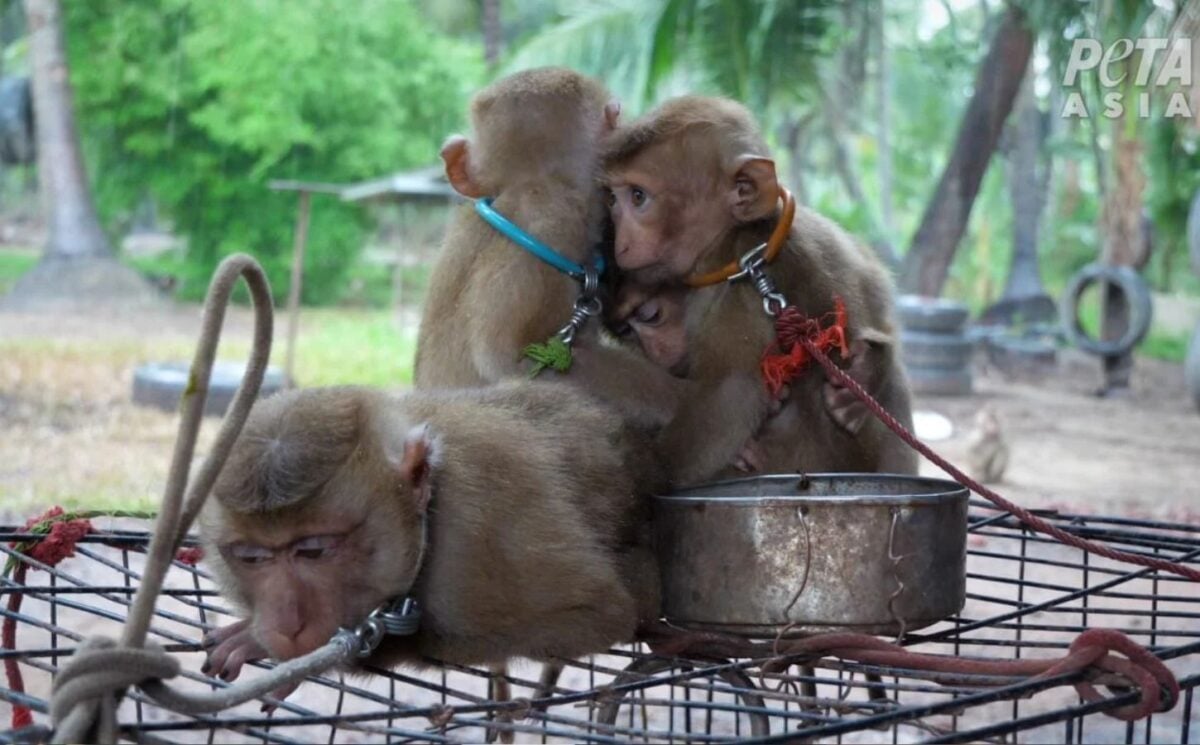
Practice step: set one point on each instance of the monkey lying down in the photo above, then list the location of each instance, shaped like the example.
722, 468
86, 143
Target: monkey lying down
513, 516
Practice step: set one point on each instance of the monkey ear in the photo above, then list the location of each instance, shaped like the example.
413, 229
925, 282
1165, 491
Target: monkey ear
755, 188
612, 112
456, 154
422, 453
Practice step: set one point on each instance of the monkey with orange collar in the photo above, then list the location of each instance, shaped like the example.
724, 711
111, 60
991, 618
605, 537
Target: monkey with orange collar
513, 516
693, 192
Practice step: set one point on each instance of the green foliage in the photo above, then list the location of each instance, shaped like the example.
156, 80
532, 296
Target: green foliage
199, 104
1172, 180
12, 265
762, 53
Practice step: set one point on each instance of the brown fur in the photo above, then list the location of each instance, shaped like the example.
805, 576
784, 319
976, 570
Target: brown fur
537, 532
727, 211
538, 137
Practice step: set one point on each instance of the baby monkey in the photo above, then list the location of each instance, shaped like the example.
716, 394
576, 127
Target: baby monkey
653, 319
512, 515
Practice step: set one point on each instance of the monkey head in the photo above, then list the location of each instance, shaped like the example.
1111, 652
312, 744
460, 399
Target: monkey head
317, 517
546, 122
653, 317
682, 179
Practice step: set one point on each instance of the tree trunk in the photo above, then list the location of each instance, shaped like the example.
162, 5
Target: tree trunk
493, 37
1027, 189
74, 230
78, 270
927, 262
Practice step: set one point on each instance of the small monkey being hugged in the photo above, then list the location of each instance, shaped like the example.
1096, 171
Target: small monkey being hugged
693, 191
536, 155
512, 515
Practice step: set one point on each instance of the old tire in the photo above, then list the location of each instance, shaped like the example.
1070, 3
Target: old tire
942, 351
1022, 356
918, 313
1137, 295
161, 385
1191, 369
939, 382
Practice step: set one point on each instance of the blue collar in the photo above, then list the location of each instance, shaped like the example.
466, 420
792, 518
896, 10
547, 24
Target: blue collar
526, 241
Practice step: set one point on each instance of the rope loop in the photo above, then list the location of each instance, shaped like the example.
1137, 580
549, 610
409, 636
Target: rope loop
100, 669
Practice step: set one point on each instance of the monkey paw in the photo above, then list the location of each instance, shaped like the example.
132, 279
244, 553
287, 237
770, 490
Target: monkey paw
846, 409
229, 648
751, 458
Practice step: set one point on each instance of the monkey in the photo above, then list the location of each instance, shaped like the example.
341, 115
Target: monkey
653, 319
987, 449
536, 153
692, 189
513, 515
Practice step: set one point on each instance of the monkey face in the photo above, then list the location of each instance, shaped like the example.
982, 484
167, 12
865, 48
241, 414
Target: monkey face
300, 592
317, 517
656, 319
665, 225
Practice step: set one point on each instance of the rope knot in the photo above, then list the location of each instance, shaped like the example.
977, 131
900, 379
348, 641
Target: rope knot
61, 532
90, 683
1157, 684
786, 357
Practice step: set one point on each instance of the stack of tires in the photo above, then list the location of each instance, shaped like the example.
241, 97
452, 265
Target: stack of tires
934, 345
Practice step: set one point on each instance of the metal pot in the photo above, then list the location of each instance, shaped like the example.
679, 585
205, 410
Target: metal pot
873, 553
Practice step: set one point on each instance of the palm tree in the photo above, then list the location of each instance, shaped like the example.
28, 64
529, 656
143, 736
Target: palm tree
78, 266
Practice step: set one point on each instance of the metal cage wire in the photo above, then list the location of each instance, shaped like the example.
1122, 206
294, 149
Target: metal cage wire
1027, 596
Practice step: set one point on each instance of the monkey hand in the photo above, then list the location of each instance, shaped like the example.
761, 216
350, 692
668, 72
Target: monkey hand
751, 457
229, 648
847, 410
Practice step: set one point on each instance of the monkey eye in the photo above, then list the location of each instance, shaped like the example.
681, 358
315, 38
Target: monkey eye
649, 313
249, 553
637, 195
610, 198
315, 546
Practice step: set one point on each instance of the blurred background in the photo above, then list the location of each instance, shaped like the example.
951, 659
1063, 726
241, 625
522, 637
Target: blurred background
140, 142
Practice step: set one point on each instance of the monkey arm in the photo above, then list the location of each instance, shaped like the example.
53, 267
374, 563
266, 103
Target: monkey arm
640, 389
712, 427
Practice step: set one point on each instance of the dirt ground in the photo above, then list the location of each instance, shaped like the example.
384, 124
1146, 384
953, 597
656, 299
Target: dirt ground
70, 435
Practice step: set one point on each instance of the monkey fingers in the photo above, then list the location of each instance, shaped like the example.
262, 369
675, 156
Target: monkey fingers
220, 634
751, 458
226, 658
845, 408
275, 697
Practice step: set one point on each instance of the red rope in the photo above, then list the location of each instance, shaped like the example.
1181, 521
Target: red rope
786, 357
1092, 648
60, 532
1038, 524
21, 715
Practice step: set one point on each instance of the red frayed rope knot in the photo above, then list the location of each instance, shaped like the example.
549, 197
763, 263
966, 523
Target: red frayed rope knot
787, 357
59, 533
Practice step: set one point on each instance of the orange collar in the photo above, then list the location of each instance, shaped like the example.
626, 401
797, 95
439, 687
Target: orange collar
773, 246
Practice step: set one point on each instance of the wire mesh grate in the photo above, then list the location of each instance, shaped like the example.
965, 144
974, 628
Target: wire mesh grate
1027, 596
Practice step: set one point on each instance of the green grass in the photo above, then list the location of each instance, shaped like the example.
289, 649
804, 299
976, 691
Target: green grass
349, 347
14, 263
